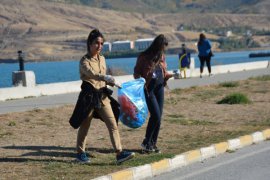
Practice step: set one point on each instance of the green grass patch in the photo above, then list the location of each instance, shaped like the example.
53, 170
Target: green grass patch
235, 98
12, 123
177, 91
4, 134
261, 78
180, 119
191, 122
208, 94
171, 101
193, 87
198, 140
98, 166
54, 166
175, 116
263, 123
229, 84
263, 91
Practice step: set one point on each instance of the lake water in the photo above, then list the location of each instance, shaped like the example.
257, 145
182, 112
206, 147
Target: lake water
51, 72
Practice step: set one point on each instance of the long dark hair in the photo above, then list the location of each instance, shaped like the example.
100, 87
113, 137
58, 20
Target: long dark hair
93, 35
155, 51
202, 37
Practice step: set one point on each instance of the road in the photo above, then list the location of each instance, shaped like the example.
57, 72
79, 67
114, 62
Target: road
71, 98
249, 163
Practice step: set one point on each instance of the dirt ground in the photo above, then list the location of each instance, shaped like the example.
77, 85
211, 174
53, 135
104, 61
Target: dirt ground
40, 144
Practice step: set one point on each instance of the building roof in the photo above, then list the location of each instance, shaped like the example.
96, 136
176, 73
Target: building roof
107, 43
119, 42
146, 39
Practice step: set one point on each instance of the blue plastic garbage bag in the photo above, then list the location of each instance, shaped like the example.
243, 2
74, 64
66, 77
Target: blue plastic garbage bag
133, 107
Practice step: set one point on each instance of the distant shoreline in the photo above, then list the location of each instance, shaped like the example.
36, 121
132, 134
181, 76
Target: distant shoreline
8, 61
114, 55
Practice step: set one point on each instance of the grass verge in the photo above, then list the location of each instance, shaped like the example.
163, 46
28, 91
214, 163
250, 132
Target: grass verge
41, 144
235, 98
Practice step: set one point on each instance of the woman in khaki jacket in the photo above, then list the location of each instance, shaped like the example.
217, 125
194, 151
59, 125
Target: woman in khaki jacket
93, 99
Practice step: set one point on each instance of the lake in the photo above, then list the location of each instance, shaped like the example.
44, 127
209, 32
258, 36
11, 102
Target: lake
51, 72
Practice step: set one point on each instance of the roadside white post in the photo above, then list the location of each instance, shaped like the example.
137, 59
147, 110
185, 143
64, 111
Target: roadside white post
192, 66
234, 144
178, 161
208, 152
142, 172
23, 78
257, 137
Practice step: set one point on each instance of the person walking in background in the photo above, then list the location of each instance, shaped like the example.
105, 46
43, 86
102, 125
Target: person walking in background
184, 61
151, 65
93, 99
205, 53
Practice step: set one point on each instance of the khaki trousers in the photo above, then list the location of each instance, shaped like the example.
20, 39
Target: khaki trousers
106, 113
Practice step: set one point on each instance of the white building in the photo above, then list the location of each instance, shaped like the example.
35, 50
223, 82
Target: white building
142, 44
122, 45
248, 33
107, 47
228, 33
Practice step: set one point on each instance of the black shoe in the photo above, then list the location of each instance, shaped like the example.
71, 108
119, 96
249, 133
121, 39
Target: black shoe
156, 149
147, 148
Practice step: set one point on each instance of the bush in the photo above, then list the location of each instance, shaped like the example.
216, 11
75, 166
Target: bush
229, 84
235, 98
233, 43
261, 78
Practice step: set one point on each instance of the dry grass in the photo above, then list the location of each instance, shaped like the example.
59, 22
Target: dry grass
40, 144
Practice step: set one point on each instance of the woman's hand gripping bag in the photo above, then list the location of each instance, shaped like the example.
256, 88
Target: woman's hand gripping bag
133, 107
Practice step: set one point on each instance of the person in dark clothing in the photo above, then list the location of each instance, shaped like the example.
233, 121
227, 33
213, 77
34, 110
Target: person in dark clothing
151, 65
205, 53
184, 61
94, 99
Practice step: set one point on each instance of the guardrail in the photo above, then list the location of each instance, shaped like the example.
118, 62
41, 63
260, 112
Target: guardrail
74, 86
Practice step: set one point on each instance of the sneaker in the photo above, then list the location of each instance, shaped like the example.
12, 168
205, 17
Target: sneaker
210, 75
147, 148
82, 158
124, 156
200, 76
156, 149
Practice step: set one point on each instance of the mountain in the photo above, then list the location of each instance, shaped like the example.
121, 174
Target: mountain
49, 30
176, 6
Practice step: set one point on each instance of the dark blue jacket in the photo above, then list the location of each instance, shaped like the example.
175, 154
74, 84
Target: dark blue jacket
205, 48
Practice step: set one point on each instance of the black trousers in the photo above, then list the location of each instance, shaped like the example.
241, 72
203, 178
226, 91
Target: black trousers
204, 59
154, 100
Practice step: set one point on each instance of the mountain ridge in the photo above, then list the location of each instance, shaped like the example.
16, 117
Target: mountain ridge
176, 6
57, 31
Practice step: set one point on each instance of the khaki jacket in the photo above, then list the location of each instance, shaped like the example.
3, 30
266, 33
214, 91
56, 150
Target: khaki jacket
93, 70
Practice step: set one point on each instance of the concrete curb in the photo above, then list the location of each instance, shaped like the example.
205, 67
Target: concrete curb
198, 155
74, 86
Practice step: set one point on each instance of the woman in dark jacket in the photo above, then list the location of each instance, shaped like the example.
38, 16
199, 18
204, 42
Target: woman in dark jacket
205, 53
151, 65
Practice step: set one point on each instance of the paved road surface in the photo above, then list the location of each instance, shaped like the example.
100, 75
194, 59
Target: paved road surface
71, 98
249, 163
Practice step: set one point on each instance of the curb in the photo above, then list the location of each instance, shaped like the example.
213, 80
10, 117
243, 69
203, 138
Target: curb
198, 155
